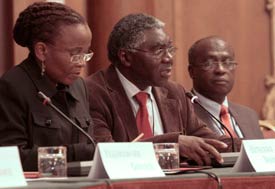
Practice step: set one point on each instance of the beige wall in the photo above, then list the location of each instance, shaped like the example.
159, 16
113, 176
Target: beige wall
244, 23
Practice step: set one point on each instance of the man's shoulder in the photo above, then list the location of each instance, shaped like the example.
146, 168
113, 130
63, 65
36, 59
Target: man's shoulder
95, 77
102, 83
241, 108
172, 90
102, 75
173, 86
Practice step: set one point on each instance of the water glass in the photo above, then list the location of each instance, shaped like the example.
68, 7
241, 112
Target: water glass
52, 161
167, 155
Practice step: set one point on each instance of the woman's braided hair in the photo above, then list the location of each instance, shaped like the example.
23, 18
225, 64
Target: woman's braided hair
41, 22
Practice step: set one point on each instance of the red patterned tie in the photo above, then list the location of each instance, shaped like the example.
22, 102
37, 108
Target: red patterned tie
142, 117
225, 118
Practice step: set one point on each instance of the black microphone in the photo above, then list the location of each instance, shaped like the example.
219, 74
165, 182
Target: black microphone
195, 100
47, 101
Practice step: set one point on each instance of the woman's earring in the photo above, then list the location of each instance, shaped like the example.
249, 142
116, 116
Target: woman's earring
43, 67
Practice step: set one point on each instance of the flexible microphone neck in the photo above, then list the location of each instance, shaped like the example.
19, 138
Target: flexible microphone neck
47, 101
194, 99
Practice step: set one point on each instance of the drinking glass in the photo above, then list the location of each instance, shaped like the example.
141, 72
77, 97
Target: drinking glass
167, 155
52, 161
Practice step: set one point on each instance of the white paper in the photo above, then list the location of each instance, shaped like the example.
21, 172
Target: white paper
125, 160
243, 164
11, 172
256, 155
97, 171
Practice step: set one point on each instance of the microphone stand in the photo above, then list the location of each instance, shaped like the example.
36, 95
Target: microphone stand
47, 101
194, 99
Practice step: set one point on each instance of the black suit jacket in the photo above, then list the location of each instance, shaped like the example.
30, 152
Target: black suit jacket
25, 122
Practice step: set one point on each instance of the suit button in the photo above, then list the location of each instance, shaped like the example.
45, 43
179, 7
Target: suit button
48, 122
88, 121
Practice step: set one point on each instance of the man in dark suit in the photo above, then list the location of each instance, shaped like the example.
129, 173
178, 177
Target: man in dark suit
141, 54
212, 68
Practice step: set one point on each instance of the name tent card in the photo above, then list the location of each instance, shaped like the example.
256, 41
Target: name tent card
122, 160
256, 155
11, 173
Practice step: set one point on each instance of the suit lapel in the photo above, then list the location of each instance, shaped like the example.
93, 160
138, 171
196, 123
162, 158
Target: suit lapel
121, 103
168, 109
207, 119
241, 122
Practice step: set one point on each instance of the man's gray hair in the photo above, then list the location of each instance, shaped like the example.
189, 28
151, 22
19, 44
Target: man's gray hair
129, 33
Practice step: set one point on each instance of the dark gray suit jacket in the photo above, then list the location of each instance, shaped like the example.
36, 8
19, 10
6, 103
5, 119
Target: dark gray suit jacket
246, 119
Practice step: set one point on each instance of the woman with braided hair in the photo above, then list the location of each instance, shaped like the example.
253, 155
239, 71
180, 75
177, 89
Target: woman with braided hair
58, 39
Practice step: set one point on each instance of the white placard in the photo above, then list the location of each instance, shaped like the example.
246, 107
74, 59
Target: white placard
256, 155
125, 160
11, 172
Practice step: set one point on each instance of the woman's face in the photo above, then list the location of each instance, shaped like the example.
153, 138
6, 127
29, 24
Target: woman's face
72, 40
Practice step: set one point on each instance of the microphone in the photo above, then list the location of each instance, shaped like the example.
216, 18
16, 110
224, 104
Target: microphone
195, 100
47, 101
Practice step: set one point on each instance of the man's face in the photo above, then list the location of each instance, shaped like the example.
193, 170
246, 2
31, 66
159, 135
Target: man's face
213, 71
151, 62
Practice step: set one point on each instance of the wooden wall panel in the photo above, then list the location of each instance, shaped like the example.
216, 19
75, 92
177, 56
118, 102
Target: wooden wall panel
244, 23
6, 52
102, 15
20, 53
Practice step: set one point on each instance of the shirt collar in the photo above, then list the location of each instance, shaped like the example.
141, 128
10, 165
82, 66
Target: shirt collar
212, 106
131, 89
68, 90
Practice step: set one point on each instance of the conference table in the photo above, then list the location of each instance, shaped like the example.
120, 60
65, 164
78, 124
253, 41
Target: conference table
228, 180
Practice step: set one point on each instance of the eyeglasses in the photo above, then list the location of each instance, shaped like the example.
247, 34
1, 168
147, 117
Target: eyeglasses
78, 58
160, 52
211, 64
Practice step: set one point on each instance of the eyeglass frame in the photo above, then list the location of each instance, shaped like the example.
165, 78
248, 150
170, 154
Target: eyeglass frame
170, 49
84, 56
209, 64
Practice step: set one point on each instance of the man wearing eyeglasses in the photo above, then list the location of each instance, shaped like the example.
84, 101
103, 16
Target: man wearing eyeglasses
212, 68
133, 95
